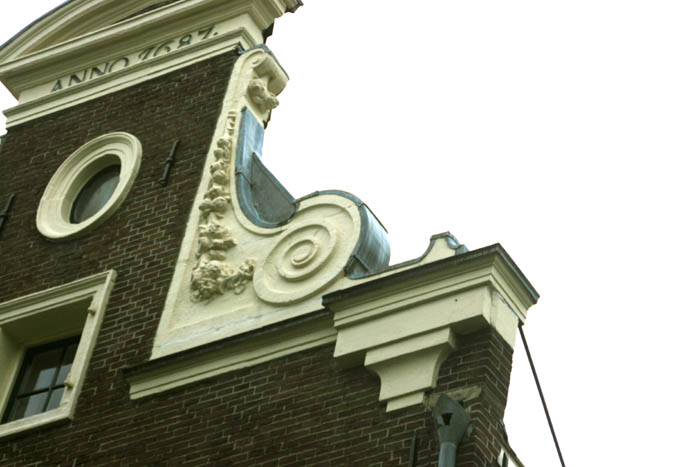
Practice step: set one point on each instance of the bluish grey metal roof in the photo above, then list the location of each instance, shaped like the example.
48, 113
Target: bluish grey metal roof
266, 203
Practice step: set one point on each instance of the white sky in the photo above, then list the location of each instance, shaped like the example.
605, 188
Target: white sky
567, 132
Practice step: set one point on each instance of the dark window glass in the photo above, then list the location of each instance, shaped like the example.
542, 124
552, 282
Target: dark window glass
67, 362
95, 194
27, 406
42, 372
55, 399
41, 379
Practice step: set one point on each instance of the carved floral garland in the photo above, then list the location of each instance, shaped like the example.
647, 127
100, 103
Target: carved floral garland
211, 275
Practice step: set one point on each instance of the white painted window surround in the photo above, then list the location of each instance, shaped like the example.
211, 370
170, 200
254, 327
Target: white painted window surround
53, 214
506, 460
48, 316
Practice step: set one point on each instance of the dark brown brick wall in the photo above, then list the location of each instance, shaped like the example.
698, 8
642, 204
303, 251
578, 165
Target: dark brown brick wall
298, 410
141, 240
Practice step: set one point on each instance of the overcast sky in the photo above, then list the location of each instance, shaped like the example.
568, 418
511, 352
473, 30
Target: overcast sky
566, 131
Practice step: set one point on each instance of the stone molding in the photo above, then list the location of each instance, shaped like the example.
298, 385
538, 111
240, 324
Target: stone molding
85, 35
81, 18
53, 214
410, 367
403, 326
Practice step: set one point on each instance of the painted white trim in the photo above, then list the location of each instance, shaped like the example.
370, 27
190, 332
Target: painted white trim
404, 330
507, 453
73, 47
71, 19
70, 309
410, 367
87, 33
53, 214
124, 78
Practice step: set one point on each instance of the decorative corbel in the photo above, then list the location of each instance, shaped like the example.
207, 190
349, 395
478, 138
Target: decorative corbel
262, 79
403, 326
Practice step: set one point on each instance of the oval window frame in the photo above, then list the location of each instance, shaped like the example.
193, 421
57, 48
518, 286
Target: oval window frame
53, 214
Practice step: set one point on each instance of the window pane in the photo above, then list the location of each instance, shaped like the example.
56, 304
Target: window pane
95, 194
28, 406
67, 364
39, 388
41, 370
55, 399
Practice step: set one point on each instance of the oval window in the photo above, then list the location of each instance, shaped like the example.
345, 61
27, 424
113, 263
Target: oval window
89, 186
95, 194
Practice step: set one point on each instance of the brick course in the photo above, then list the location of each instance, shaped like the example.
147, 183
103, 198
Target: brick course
302, 409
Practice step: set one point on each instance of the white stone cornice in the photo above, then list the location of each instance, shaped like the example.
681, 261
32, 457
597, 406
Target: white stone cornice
62, 49
52, 102
402, 326
69, 20
79, 18
409, 367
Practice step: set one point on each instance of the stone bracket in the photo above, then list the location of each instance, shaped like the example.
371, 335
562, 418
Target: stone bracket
403, 326
410, 367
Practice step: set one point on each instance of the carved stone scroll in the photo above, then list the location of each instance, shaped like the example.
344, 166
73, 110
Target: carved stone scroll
253, 255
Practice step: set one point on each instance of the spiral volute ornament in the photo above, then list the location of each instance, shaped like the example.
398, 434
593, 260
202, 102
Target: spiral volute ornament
306, 258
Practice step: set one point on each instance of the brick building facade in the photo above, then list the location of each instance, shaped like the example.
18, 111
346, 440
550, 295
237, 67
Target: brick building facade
219, 321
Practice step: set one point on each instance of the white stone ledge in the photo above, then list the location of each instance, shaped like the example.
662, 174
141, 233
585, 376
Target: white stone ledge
232, 357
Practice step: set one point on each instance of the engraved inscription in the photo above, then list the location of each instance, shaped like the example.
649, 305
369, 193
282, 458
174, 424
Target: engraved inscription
150, 52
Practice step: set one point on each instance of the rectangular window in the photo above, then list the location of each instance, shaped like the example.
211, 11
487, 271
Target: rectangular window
41, 380
46, 340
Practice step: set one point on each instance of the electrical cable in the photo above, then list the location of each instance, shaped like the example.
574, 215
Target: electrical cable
539, 389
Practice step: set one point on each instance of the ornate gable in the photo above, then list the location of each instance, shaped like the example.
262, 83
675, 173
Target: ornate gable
97, 46
71, 20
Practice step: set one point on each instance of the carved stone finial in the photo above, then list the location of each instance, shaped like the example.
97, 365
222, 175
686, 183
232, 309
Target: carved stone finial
260, 96
68, 382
